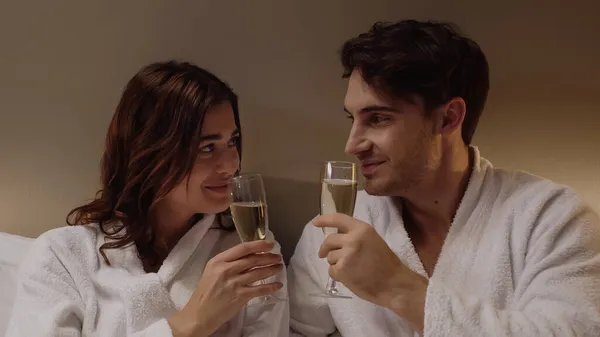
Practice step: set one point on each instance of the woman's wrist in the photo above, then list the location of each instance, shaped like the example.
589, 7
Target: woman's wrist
182, 326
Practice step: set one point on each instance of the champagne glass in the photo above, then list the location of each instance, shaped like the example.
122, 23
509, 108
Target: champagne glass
249, 213
338, 195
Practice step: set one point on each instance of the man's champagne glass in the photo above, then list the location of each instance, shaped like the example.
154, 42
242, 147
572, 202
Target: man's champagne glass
338, 195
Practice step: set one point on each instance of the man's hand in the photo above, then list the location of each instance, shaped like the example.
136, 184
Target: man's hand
361, 260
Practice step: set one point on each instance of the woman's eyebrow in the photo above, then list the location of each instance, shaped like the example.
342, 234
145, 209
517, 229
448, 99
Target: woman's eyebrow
218, 136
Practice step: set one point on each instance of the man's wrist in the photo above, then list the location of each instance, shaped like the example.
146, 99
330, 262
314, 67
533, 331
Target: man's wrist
407, 300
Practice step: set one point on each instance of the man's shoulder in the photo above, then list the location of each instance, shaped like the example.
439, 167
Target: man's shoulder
538, 206
549, 215
518, 187
514, 186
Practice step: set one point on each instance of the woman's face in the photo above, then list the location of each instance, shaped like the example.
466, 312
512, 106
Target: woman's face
207, 190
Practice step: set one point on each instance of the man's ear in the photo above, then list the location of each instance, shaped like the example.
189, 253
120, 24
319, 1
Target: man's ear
453, 114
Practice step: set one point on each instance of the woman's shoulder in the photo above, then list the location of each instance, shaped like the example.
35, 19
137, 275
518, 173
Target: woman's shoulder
70, 237
67, 246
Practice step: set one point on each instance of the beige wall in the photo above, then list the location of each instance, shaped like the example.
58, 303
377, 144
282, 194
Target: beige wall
63, 65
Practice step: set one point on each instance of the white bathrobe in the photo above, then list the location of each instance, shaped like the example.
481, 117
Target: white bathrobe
66, 288
522, 258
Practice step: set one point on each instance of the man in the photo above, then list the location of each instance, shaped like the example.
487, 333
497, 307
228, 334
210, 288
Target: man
441, 242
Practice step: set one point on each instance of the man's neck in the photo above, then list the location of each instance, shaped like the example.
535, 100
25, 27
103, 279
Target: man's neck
431, 208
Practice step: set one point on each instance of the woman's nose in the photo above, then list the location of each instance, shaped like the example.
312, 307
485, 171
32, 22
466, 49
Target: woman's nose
229, 161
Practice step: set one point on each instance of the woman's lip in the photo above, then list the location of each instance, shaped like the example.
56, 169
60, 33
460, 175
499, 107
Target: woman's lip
217, 188
219, 185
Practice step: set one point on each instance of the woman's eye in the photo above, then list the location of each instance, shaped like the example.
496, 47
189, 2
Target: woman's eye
207, 149
234, 141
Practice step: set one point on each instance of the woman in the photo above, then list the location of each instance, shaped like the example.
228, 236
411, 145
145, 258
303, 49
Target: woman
148, 256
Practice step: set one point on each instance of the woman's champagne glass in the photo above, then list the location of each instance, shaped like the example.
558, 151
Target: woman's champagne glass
249, 213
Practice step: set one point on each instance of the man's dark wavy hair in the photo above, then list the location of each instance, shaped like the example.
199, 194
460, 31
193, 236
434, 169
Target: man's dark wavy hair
429, 59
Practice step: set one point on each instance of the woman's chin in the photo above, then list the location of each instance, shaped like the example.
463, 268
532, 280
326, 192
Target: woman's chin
223, 208
215, 207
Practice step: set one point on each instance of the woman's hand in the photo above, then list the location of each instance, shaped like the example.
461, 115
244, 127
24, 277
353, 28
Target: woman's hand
225, 288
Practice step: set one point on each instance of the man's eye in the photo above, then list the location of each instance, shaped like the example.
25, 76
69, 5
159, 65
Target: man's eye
377, 119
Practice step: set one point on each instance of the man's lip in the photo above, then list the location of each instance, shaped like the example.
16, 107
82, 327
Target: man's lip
371, 163
369, 168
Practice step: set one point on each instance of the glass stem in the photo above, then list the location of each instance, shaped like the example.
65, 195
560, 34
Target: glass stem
332, 287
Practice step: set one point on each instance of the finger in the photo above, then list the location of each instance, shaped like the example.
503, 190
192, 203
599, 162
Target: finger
253, 261
258, 274
331, 242
334, 273
342, 222
245, 249
250, 292
334, 256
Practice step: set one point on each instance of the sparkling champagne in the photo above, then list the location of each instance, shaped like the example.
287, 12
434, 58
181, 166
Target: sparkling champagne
338, 196
250, 219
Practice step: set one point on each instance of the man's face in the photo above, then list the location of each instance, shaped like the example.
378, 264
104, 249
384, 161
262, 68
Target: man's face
393, 139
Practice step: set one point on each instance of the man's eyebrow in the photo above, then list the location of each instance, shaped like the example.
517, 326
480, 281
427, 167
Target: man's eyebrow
375, 108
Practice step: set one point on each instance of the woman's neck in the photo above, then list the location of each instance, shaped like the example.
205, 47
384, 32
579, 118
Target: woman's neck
170, 225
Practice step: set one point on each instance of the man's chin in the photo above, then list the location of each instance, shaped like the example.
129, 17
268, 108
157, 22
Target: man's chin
377, 188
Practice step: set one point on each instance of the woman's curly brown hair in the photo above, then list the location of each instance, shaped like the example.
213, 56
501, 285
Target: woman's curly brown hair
151, 147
